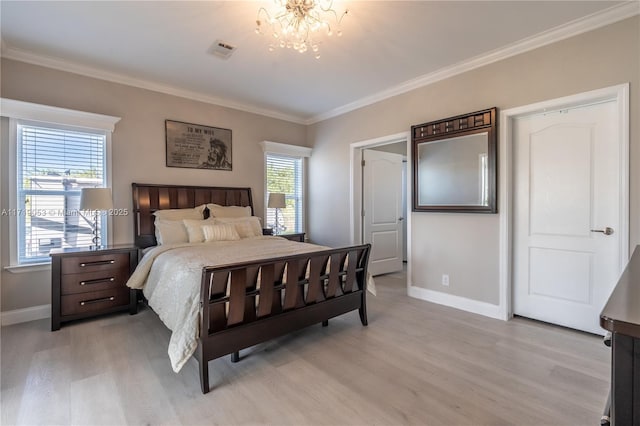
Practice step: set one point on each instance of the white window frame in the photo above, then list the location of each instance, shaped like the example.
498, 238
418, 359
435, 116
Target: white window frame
47, 115
295, 151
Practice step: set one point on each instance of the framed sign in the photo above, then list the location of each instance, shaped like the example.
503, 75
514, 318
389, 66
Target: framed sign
197, 147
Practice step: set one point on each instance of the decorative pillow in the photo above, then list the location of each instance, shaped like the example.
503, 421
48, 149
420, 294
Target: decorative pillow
221, 232
216, 210
180, 214
246, 226
194, 229
170, 232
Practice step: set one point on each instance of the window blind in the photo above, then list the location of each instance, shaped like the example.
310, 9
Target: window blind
53, 165
285, 175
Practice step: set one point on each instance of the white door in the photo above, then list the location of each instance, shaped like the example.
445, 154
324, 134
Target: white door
382, 208
566, 190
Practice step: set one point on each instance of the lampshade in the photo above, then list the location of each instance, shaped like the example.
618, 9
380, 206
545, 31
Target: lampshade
96, 199
276, 201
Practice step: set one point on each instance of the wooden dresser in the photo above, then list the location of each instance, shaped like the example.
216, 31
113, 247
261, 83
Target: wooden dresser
87, 282
621, 316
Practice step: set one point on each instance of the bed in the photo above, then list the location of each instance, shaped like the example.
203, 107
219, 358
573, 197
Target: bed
236, 294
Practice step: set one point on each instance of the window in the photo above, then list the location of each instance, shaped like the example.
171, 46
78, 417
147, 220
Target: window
53, 165
284, 173
54, 153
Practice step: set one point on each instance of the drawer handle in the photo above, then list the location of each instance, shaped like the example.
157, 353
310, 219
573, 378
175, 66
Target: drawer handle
98, 281
103, 299
99, 262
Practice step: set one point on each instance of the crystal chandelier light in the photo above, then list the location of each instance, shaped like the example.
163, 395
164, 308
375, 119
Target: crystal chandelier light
293, 24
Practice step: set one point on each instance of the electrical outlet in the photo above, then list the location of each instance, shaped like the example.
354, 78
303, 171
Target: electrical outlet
445, 279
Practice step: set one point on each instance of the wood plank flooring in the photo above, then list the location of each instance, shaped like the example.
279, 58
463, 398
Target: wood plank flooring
416, 363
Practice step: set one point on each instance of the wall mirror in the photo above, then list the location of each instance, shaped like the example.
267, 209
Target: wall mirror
454, 164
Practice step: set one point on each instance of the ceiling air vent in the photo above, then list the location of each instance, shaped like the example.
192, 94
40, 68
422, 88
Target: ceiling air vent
222, 49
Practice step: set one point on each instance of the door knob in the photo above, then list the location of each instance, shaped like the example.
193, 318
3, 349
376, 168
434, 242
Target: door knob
400, 219
605, 231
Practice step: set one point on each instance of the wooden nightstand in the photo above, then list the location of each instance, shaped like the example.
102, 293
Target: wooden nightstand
87, 282
297, 236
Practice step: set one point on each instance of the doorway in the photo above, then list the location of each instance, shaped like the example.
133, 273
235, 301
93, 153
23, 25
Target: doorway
566, 170
379, 201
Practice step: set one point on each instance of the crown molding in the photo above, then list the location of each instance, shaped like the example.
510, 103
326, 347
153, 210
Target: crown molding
570, 29
21, 55
591, 22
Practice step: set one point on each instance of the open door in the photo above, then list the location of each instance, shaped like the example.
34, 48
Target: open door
382, 210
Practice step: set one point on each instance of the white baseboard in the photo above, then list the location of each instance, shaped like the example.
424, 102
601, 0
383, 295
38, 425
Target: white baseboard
27, 314
457, 302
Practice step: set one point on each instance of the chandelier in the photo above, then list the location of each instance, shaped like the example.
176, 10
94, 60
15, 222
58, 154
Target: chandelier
293, 24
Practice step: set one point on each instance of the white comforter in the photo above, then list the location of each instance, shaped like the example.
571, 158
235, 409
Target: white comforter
170, 278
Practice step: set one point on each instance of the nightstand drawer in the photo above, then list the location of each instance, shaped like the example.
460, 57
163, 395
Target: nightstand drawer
92, 263
94, 281
94, 301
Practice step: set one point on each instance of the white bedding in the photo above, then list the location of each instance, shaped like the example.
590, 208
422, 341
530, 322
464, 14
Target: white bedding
170, 275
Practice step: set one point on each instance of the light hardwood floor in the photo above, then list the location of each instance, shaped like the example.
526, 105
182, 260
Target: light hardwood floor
416, 363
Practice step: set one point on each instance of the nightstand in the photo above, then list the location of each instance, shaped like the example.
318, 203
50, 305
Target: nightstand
297, 236
88, 282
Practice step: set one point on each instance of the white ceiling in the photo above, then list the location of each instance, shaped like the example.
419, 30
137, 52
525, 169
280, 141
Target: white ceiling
386, 47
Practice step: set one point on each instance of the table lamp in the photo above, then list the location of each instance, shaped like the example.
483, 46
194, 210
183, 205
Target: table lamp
96, 200
277, 201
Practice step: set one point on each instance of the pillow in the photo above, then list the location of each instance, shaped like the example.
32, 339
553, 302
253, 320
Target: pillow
216, 210
170, 232
245, 226
221, 232
194, 229
180, 214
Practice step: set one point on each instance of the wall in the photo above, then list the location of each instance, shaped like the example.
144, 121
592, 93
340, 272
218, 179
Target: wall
465, 246
138, 149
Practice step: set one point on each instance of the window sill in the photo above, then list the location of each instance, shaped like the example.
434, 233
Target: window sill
34, 267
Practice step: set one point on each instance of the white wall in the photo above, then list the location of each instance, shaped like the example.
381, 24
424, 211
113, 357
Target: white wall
465, 246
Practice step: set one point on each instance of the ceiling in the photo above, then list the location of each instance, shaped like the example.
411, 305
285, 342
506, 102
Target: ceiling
386, 47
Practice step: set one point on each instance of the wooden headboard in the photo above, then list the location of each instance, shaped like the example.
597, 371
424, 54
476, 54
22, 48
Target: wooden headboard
148, 198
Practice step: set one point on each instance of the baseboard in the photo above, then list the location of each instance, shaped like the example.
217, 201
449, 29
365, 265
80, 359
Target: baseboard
26, 314
457, 302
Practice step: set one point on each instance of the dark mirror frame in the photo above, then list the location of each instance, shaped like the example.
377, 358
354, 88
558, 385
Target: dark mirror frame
453, 127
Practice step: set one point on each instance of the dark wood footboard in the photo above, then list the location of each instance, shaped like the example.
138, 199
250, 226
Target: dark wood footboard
247, 303
238, 310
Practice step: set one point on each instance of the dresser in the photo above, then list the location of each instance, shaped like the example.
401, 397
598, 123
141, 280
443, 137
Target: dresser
621, 316
89, 282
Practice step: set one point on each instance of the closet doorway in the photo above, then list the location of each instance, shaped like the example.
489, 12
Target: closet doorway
379, 201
